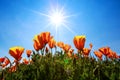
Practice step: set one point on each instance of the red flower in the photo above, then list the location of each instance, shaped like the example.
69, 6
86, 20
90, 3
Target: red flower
2, 60
6, 62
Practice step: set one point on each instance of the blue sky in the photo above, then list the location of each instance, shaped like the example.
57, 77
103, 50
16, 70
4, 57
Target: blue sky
99, 20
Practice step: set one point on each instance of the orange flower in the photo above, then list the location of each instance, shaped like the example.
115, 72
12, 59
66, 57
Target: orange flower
112, 54
79, 42
60, 44
86, 51
38, 42
66, 47
91, 45
2, 60
12, 69
45, 37
6, 62
52, 43
98, 54
28, 52
16, 52
25, 61
105, 50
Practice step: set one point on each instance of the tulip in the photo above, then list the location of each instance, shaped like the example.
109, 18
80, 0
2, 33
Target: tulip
16, 52
79, 42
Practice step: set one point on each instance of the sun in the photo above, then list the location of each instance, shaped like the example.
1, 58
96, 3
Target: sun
57, 19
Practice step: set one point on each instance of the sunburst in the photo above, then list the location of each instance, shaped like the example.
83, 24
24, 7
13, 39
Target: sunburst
57, 18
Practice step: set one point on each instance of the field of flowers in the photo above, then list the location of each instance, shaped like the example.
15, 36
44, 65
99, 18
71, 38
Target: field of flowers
46, 62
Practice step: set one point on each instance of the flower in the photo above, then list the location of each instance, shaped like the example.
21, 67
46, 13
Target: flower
105, 50
91, 45
25, 61
86, 51
16, 52
98, 54
38, 42
45, 37
52, 43
28, 52
6, 62
66, 47
112, 54
2, 60
60, 44
12, 69
79, 42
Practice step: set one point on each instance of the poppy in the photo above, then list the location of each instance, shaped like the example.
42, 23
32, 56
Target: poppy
60, 44
45, 37
98, 54
25, 61
28, 52
105, 50
91, 45
38, 42
16, 52
66, 47
79, 42
86, 51
52, 43
6, 62
12, 69
2, 60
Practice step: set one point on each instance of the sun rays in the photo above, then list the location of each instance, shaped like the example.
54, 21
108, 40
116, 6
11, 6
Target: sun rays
57, 18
